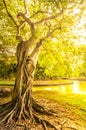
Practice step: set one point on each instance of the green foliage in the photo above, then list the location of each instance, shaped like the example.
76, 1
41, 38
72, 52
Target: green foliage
59, 57
40, 72
61, 60
7, 69
83, 67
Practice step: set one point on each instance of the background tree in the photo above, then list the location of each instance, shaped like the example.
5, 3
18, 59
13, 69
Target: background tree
8, 44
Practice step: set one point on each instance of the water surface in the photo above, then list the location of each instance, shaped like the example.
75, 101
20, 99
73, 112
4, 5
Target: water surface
77, 87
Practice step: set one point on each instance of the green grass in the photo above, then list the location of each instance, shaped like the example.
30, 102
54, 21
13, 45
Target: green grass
6, 82
73, 99
73, 102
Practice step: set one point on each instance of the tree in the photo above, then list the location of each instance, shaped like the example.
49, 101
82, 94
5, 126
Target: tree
83, 61
41, 23
8, 45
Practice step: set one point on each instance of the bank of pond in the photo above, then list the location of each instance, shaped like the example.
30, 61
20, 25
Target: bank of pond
62, 86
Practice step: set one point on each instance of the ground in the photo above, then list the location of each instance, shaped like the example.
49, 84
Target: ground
63, 119
65, 116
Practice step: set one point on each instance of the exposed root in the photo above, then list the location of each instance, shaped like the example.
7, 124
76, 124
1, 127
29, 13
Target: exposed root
40, 109
15, 117
72, 128
44, 122
19, 116
5, 92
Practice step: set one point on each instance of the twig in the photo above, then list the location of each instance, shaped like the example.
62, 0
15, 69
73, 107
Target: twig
49, 18
51, 32
25, 7
9, 13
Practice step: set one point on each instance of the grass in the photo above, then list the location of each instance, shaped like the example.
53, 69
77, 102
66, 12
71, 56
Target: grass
6, 82
73, 99
73, 102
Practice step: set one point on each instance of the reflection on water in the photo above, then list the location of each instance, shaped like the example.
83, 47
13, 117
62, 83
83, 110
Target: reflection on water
78, 87
63, 88
47, 88
75, 87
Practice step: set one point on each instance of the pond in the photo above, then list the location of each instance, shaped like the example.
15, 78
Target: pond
63, 86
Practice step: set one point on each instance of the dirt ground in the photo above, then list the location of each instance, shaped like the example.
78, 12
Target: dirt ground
63, 119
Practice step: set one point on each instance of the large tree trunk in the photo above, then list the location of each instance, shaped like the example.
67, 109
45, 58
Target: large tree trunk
22, 93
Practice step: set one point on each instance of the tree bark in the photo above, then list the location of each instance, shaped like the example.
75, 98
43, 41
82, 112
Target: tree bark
22, 93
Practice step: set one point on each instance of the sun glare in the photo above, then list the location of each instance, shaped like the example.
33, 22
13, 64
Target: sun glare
76, 87
54, 40
79, 31
76, 11
28, 1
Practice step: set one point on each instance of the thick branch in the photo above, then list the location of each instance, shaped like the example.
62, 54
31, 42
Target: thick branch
40, 12
36, 50
9, 13
28, 21
19, 27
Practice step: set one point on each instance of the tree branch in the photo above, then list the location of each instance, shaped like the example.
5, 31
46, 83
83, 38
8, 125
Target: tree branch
40, 12
34, 54
9, 13
49, 18
25, 7
22, 23
28, 21
19, 27
51, 32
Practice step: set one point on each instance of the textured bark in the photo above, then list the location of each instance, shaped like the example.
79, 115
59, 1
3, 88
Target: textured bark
22, 93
